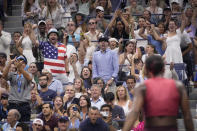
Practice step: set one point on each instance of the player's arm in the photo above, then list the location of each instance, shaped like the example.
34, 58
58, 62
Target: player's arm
138, 103
185, 107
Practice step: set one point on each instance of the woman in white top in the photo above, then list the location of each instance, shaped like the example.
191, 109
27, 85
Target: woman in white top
24, 45
154, 9
123, 99
54, 11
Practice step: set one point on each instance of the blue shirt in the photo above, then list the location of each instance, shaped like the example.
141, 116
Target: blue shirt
100, 125
157, 44
70, 41
105, 64
48, 95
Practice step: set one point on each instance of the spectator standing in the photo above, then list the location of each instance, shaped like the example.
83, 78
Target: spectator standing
5, 40
30, 11
42, 37
93, 123
55, 58
54, 11
24, 45
12, 120
20, 91
13, 49
105, 64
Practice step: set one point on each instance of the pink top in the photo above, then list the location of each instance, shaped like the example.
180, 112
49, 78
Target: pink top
162, 97
140, 127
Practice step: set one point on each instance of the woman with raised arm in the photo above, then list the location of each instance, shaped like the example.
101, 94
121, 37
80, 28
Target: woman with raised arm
24, 45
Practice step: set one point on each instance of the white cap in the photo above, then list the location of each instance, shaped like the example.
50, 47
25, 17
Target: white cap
175, 1
42, 21
46, 71
100, 8
52, 30
38, 121
133, 40
113, 39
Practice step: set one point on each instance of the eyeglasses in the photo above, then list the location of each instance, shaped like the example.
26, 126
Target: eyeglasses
91, 23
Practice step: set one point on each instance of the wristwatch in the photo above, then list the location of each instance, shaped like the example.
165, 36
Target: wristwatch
112, 78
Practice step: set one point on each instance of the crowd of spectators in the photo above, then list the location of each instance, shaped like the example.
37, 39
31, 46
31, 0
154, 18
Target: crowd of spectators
76, 62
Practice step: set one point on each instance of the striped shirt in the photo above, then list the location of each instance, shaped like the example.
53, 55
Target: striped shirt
54, 57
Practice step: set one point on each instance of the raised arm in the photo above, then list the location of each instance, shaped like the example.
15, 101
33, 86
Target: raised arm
194, 16
21, 70
6, 69
183, 22
111, 24
125, 23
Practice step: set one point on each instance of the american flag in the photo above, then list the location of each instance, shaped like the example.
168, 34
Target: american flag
54, 57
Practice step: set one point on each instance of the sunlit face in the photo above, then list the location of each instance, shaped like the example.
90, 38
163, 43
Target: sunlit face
70, 91
33, 68
92, 24
93, 115
161, 28
27, 29
95, 92
130, 83
149, 49
83, 102
58, 102
86, 73
121, 92
172, 26
77, 84
16, 37
112, 45
53, 38
130, 47
52, 2
141, 22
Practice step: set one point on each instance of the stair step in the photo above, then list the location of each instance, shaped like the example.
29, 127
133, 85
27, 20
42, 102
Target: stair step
193, 104
15, 7
13, 24
193, 113
181, 125
14, 18
16, 12
17, 2
12, 30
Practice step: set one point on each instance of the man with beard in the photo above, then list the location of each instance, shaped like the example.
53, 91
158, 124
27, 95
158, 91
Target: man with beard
49, 118
55, 58
42, 37
45, 93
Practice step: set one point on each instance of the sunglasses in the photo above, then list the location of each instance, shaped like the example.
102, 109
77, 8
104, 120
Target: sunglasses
70, 25
91, 23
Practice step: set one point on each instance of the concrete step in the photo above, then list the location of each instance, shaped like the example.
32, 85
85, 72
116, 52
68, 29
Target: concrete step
17, 2
193, 104
12, 30
181, 125
14, 18
16, 12
13, 24
193, 112
15, 7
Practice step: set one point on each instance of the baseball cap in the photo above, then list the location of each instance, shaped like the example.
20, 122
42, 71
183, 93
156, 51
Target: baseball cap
113, 39
41, 21
63, 119
4, 96
22, 58
38, 121
100, 8
2, 54
53, 30
175, 1
103, 38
